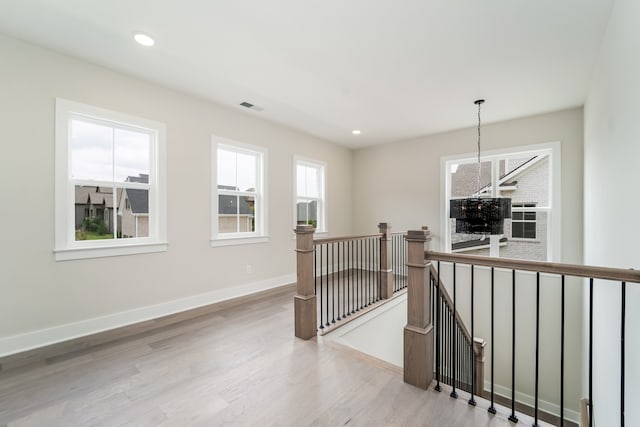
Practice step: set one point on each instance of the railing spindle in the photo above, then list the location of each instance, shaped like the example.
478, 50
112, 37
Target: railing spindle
537, 379
591, 352
333, 283
321, 285
513, 418
472, 401
338, 299
562, 354
327, 293
492, 408
438, 330
455, 342
352, 278
623, 309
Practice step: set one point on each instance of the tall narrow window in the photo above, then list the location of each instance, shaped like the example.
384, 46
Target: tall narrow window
310, 194
102, 159
239, 197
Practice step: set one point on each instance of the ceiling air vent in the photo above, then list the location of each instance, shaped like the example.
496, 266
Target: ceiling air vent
250, 105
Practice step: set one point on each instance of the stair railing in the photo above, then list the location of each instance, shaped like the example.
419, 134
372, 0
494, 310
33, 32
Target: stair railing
465, 360
418, 338
338, 277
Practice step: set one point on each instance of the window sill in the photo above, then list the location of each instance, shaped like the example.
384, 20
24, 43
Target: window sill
234, 241
99, 252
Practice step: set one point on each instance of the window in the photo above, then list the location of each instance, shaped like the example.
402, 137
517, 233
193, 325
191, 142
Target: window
523, 222
309, 194
530, 177
239, 196
101, 156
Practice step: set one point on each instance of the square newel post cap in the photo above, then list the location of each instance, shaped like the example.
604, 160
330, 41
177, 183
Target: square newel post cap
304, 229
423, 235
384, 225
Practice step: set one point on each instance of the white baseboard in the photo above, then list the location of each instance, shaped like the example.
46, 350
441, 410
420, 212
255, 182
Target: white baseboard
529, 400
28, 341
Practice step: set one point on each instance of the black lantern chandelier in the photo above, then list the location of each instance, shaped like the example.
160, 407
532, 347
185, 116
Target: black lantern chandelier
480, 215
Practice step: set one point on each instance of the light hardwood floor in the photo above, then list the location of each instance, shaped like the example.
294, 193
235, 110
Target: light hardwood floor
237, 366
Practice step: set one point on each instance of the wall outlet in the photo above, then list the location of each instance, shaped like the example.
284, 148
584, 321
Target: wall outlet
249, 269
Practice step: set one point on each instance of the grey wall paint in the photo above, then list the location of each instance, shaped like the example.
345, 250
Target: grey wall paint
39, 293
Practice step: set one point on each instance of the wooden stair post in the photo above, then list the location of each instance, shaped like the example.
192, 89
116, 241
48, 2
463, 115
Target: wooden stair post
305, 299
478, 348
386, 272
418, 334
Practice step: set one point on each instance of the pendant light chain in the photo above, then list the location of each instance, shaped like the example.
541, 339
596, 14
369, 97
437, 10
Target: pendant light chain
479, 103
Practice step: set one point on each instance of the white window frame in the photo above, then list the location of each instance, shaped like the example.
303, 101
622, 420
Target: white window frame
322, 228
260, 235
66, 246
553, 149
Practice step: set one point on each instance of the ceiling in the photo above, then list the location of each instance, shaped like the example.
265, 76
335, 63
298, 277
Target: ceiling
393, 69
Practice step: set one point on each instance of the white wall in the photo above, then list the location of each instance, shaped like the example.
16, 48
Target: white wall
43, 300
400, 183
612, 175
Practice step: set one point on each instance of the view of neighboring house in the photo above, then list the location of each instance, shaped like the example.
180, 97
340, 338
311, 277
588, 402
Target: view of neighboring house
94, 202
235, 212
526, 182
133, 209
307, 213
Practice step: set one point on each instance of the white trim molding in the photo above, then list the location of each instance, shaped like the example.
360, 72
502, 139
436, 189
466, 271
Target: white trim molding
66, 246
35, 339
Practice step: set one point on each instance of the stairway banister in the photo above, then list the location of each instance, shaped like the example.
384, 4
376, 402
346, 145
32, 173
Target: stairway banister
447, 299
604, 273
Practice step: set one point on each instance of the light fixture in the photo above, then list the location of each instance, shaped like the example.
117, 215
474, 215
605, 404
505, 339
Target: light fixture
144, 39
480, 215
356, 132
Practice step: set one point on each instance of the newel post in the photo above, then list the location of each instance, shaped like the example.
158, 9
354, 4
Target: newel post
479, 344
305, 299
418, 334
386, 272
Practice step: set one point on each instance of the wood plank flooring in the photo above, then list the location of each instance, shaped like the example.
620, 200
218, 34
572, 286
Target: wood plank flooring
238, 366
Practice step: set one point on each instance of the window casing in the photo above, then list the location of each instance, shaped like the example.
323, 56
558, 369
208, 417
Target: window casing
238, 211
101, 154
309, 193
530, 176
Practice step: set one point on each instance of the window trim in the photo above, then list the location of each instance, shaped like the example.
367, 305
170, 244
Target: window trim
323, 228
554, 210
261, 234
65, 245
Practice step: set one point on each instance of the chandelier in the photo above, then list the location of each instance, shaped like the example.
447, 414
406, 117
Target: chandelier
480, 215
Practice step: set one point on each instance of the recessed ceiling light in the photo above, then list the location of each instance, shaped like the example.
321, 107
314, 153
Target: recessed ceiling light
144, 39
355, 132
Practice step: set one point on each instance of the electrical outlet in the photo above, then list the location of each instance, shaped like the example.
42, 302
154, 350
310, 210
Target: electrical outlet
249, 269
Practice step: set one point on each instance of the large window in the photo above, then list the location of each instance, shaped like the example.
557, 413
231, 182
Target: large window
309, 193
110, 175
530, 177
239, 200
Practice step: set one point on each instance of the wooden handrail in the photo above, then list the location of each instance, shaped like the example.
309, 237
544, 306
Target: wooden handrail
342, 239
605, 273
